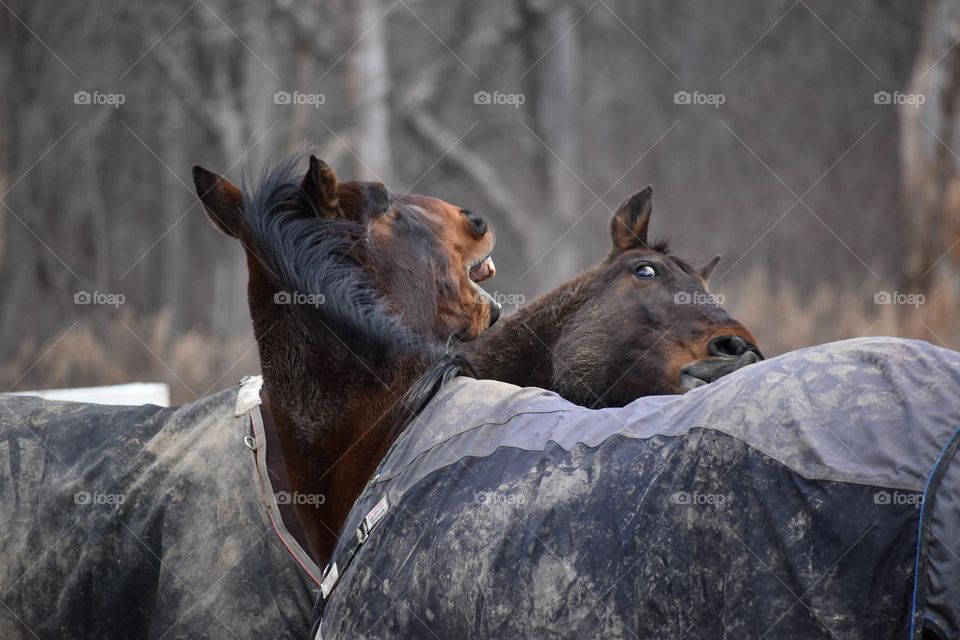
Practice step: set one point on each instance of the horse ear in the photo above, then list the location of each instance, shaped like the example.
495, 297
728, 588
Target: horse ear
705, 271
320, 185
221, 198
628, 229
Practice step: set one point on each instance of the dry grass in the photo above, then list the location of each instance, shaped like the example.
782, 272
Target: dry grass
782, 320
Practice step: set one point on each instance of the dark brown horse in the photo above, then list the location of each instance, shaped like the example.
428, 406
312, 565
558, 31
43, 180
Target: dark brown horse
641, 322
378, 283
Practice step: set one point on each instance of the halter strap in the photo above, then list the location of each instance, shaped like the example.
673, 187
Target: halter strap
248, 402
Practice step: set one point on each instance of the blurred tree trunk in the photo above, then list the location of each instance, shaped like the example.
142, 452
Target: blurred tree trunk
6, 139
8, 160
551, 85
369, 83
26, 265
305, 69
173, 248
930, 143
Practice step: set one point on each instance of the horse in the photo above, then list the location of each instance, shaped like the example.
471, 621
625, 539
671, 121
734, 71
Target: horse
336, 370
639, 323
209, 519
811, 495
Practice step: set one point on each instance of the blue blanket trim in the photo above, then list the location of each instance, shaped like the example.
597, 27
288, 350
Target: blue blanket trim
914, 614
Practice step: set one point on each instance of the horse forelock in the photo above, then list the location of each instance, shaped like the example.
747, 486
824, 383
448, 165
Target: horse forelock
661, 245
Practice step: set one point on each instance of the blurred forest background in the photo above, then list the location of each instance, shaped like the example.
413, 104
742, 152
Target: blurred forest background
803, 155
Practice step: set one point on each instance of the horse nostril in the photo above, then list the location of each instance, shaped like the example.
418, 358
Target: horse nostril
730, 345
477, 222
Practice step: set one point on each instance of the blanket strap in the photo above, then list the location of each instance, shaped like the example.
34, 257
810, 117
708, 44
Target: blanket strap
331, 575
248, 402
333, 571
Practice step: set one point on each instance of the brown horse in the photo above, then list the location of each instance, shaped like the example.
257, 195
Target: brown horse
370, 285
638, 323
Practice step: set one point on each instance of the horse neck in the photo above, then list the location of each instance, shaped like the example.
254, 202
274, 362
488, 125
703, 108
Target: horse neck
519, 349
334, 424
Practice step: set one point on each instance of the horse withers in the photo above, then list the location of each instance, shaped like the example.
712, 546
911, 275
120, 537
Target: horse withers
641, 322
148, 522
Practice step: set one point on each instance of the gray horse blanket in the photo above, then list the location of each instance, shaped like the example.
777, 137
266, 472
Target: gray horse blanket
142, 522
813, 495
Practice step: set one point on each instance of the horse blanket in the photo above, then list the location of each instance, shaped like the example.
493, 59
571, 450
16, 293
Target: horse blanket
143, 522
813, 495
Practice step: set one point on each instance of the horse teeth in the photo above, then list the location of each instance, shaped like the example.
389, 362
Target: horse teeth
483, 271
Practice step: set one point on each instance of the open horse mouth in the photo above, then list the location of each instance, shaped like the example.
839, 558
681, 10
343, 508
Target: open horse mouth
696, 374
481, 270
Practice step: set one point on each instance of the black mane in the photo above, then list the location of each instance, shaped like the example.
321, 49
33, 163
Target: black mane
307, 254
449, 364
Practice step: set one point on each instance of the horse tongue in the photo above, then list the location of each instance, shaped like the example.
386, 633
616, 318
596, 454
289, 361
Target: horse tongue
483, 271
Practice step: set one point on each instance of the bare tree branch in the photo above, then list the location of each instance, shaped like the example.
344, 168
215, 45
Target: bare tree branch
471, 164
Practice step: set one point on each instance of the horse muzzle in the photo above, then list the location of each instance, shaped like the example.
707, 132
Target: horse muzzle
696, 374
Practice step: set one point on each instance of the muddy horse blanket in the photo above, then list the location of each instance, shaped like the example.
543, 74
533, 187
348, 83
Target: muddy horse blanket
813, 495
142, 522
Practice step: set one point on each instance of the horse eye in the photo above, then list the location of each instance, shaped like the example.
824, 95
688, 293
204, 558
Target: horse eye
645, 271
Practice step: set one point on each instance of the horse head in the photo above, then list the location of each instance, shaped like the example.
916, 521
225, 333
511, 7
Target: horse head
364, 258
648, 325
